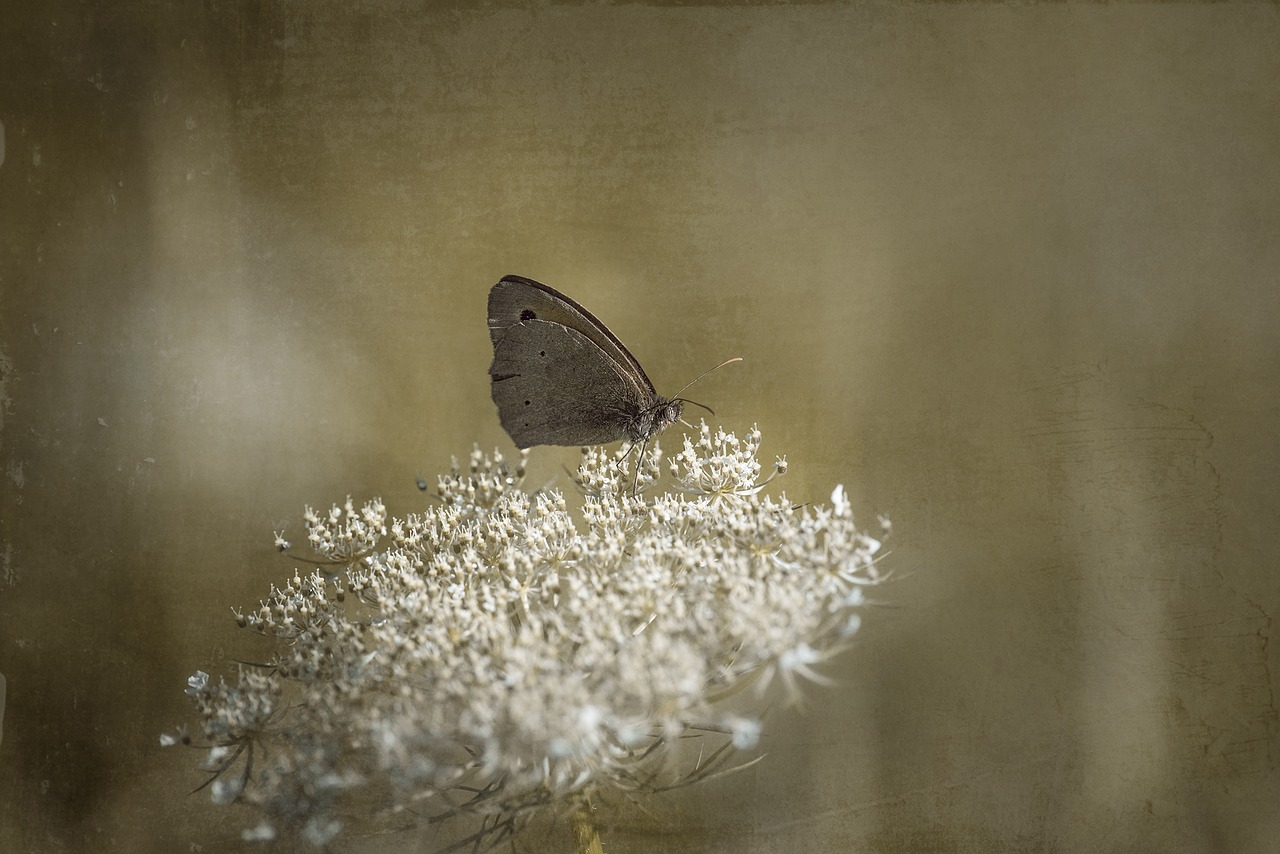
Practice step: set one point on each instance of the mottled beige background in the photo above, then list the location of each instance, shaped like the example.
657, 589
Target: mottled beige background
1011, 273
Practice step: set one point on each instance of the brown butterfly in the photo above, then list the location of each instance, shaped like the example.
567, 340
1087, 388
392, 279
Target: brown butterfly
560, 377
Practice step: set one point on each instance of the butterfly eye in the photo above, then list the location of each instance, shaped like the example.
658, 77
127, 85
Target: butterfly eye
528, 314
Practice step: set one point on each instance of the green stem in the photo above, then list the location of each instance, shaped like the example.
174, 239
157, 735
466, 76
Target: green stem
584, 829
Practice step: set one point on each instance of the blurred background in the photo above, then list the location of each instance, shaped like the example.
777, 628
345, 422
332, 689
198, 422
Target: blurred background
1008, 273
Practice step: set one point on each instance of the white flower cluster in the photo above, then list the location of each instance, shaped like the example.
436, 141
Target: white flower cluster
496, 653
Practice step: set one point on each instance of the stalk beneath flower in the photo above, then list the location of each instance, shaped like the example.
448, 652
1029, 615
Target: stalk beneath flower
584, 828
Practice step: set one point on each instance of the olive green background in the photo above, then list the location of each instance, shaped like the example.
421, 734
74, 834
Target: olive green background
1010, 273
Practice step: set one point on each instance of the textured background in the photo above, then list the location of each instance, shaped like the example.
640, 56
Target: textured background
1010, 273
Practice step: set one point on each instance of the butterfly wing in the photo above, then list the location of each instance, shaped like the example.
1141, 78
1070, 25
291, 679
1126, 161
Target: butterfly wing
555, 386
515, 300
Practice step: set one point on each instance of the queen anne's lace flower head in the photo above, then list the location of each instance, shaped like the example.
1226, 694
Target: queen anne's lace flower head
496, 652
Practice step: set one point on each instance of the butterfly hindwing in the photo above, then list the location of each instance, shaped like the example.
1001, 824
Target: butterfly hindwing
555, 386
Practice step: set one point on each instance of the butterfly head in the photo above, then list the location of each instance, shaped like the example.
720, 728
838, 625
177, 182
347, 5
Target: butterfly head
655, 419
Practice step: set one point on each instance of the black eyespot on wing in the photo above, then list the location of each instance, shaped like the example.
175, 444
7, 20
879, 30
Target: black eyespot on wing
528, 403
528, 314
542, 353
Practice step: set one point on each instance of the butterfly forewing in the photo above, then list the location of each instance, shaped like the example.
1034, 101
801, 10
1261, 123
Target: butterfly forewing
516, 299
555, 386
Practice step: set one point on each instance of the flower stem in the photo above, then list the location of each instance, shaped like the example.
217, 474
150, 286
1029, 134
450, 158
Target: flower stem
584, 829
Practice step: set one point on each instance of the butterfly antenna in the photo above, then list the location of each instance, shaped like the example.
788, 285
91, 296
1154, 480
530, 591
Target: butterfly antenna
695, 403
704, 373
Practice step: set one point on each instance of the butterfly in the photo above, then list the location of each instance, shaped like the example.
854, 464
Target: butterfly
560, 377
